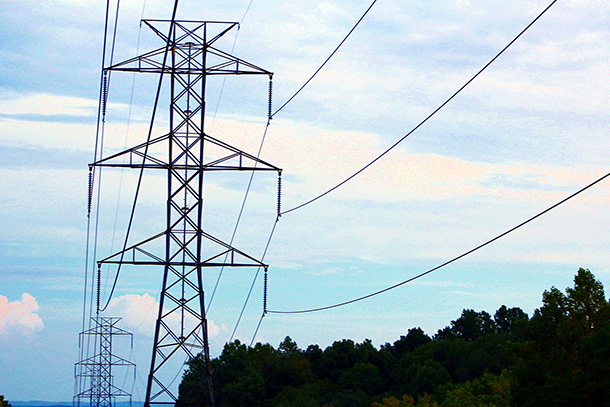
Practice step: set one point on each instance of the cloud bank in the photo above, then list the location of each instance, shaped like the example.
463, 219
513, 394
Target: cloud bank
19, 318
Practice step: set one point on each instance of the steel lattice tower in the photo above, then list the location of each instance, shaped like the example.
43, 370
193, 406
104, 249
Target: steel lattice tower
183, 249
96, 371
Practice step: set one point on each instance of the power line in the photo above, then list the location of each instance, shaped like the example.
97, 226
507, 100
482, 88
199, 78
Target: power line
450, 261
246, 195
327, 59
127, 130
150, 131
254, 282
90, 190
427, 118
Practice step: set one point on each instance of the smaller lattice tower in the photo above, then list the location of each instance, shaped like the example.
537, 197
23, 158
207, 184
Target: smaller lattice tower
94, 375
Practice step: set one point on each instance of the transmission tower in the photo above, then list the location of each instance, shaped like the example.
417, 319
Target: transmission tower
182, 248
93, 376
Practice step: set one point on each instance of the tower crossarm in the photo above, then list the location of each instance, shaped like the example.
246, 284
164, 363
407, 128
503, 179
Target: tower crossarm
225, 255
189, 41
192, 32
233, 159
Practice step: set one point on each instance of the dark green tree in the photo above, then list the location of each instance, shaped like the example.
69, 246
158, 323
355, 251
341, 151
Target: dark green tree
407, 343
4, 403
415, 377
308, 395
364, 376
469, 326
507, 319
558, 358
487, 391
336, 359
564, 361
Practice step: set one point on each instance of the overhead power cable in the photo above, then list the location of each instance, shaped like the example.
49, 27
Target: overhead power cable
150, 131
243, 204
427, 118
241, 314
98, 131
447, 262
326, 61
263, 141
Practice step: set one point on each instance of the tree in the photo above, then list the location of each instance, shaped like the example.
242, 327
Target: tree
415, 338
288, 347
4, 403
363, 376
469, 326
487, 391
506, 319
290, 369
588, 308
558, 358
307, 395
564, 361
337, 358
415, 377
407, 401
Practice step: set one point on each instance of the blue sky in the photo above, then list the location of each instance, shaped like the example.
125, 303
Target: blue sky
528, 132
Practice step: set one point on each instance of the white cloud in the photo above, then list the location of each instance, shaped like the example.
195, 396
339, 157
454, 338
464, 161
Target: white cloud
139, 312
19, 318
46, 105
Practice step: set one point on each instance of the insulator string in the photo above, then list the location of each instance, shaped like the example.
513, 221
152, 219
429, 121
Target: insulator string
99, 288
104, 95
279, 195
265, 290
90, 192
269, 112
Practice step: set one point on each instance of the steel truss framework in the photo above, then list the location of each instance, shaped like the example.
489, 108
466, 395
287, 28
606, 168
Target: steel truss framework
96, 371
188, 57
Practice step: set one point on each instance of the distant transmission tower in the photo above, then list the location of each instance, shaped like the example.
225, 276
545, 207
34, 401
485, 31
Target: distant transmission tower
182, 248
94, 377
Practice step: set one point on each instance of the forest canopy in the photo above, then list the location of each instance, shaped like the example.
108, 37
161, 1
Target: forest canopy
558, 357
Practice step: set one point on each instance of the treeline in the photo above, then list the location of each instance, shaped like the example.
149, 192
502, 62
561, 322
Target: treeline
558, 357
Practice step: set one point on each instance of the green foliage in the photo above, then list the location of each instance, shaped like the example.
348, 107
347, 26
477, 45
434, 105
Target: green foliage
415, 338
470, 326
363, 376
407, 401
564, 360
507, 320
558, 358
307, 395
487, 391
4, 403
415, 377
